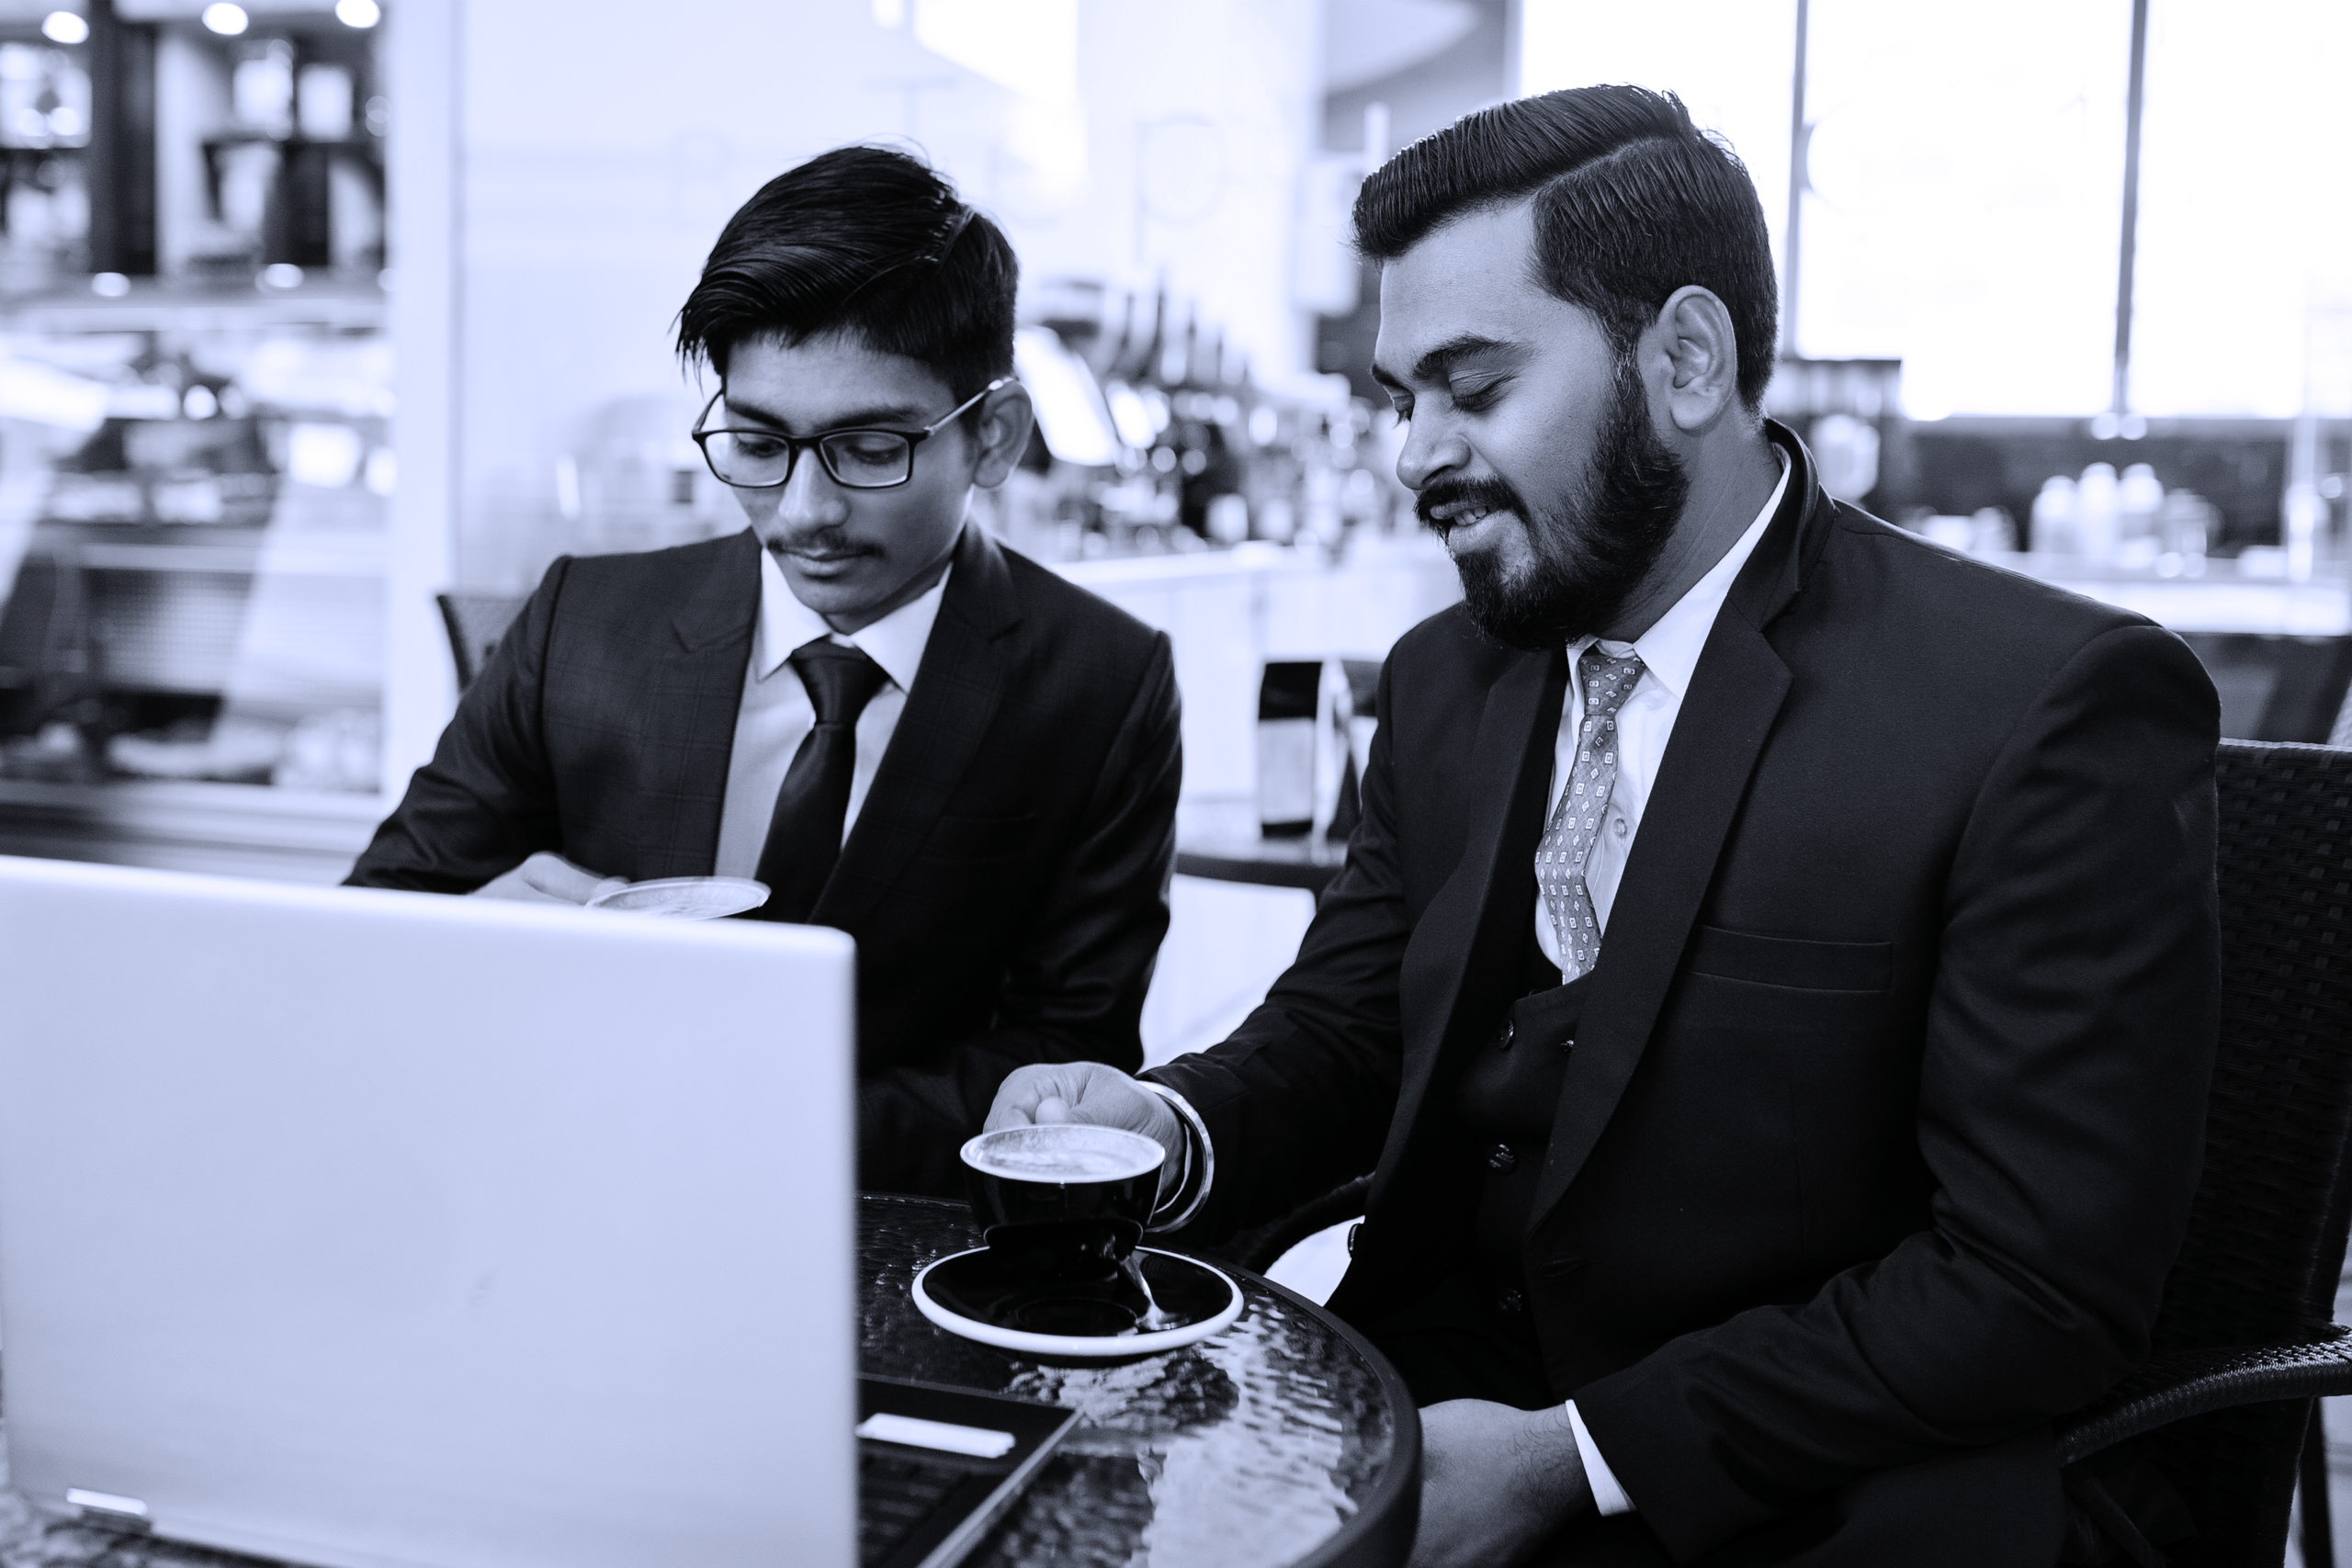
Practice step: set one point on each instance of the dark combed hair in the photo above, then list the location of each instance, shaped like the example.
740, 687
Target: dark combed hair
869, 242
1633, 201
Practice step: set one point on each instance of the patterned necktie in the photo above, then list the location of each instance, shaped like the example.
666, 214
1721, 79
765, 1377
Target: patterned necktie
1576, 821
805, 832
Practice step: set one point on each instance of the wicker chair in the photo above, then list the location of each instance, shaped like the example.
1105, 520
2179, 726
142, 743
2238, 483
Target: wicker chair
1258, 1249
2246, 1340
476, 622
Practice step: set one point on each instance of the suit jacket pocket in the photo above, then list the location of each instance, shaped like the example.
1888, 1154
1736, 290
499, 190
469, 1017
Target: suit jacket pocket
978, 838
1791, 962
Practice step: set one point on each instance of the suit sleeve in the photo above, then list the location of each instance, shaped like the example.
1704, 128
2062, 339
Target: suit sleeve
1075, 989
2068, 1043
486, 801
1298, 1099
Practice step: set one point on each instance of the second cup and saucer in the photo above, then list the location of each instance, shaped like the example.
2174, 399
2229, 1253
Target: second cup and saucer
1063, 1208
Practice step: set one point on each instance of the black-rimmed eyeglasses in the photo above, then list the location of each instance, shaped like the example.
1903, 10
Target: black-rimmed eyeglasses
857, 459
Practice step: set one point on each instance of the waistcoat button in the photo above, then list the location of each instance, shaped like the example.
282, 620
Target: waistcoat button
1510, 1031
1509, 1301
1500, 1158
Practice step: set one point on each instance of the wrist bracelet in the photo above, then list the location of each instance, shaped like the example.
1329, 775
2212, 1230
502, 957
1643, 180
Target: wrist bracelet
1200, 1160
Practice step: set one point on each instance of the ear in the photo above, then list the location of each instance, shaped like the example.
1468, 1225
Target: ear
1702, 352
1005, 421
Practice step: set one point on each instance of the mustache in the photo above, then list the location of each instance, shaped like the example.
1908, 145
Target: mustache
1492, 494
1592, 549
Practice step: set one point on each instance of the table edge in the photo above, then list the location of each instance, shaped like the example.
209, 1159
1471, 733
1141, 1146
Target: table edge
1313, 876
1382, 1529
1383, 1512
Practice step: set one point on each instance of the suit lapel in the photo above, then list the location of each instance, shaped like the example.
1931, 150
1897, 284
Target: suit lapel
685, 717
1735, 696
966, 667
1463, 946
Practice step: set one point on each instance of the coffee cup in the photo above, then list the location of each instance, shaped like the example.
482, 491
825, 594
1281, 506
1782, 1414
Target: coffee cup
1063, 1200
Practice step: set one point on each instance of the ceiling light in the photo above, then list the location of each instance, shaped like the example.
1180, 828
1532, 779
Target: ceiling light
224, 18
359, 13
65, 26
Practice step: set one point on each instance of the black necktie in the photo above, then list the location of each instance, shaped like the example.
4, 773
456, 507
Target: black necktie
805, 832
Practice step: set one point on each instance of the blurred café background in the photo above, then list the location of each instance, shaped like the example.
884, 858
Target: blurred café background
316, 313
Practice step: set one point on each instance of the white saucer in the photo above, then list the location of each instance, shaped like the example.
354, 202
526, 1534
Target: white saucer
1205, 1298
684, 897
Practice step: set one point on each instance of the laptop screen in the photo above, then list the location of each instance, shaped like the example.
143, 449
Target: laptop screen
369, 1228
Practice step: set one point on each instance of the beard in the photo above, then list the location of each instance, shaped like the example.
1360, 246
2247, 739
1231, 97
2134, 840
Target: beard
1592, 549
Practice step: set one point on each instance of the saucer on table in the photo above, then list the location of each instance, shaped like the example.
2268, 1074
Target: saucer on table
684, 898
975, 1295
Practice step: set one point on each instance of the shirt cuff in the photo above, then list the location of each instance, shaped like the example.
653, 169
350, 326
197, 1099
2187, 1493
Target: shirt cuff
1200, 1160
1607, 1495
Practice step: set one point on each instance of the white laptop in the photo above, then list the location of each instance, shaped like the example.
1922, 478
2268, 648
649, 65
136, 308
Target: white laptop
368, 1229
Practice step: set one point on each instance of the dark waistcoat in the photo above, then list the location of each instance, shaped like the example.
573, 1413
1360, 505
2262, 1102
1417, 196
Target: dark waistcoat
1505, 1104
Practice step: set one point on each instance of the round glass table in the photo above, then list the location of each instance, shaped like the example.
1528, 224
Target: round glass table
1283, 1442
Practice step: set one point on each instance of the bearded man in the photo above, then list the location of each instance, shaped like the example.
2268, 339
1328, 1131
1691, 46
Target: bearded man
1775, 978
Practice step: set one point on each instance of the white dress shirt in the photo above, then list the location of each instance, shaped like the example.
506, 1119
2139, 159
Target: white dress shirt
1669, 651
775, 715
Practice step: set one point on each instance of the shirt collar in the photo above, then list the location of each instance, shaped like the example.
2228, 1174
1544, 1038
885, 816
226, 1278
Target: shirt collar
1670, 648
895, 642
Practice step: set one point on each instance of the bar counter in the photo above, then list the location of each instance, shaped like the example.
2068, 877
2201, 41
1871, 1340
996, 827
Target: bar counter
1225, 612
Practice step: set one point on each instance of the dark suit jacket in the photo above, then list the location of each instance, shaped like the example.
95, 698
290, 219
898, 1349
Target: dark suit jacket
1007, 875
1887, 1105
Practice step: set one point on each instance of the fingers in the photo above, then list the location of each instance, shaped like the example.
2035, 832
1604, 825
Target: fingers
558, 878
1017, 1097
1047, 1094
1110, 1099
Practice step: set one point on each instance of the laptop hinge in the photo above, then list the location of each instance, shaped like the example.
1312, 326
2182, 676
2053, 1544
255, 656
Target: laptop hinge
106, 1510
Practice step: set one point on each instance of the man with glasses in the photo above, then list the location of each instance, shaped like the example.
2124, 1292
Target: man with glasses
904, 729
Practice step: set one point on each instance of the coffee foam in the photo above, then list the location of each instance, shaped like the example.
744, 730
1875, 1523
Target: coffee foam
1063, 1152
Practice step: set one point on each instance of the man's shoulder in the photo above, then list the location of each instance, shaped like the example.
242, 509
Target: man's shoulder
1054, 606
622, 605
676, 571
1922, 593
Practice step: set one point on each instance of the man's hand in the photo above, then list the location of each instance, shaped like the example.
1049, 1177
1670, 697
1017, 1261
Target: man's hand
1494, 1482
547, 878
1093, 1093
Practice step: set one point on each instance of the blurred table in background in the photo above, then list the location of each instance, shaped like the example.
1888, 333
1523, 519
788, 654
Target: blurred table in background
1217, 838
2279, 651
2220, 594
1227, 612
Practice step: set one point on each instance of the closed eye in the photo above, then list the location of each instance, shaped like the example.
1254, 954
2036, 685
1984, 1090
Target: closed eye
1477, 396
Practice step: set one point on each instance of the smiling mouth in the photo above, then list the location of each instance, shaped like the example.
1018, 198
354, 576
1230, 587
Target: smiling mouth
1452, 517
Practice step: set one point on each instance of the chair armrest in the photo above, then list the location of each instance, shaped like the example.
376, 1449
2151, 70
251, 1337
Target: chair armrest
2172, 1388
1256, 1249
